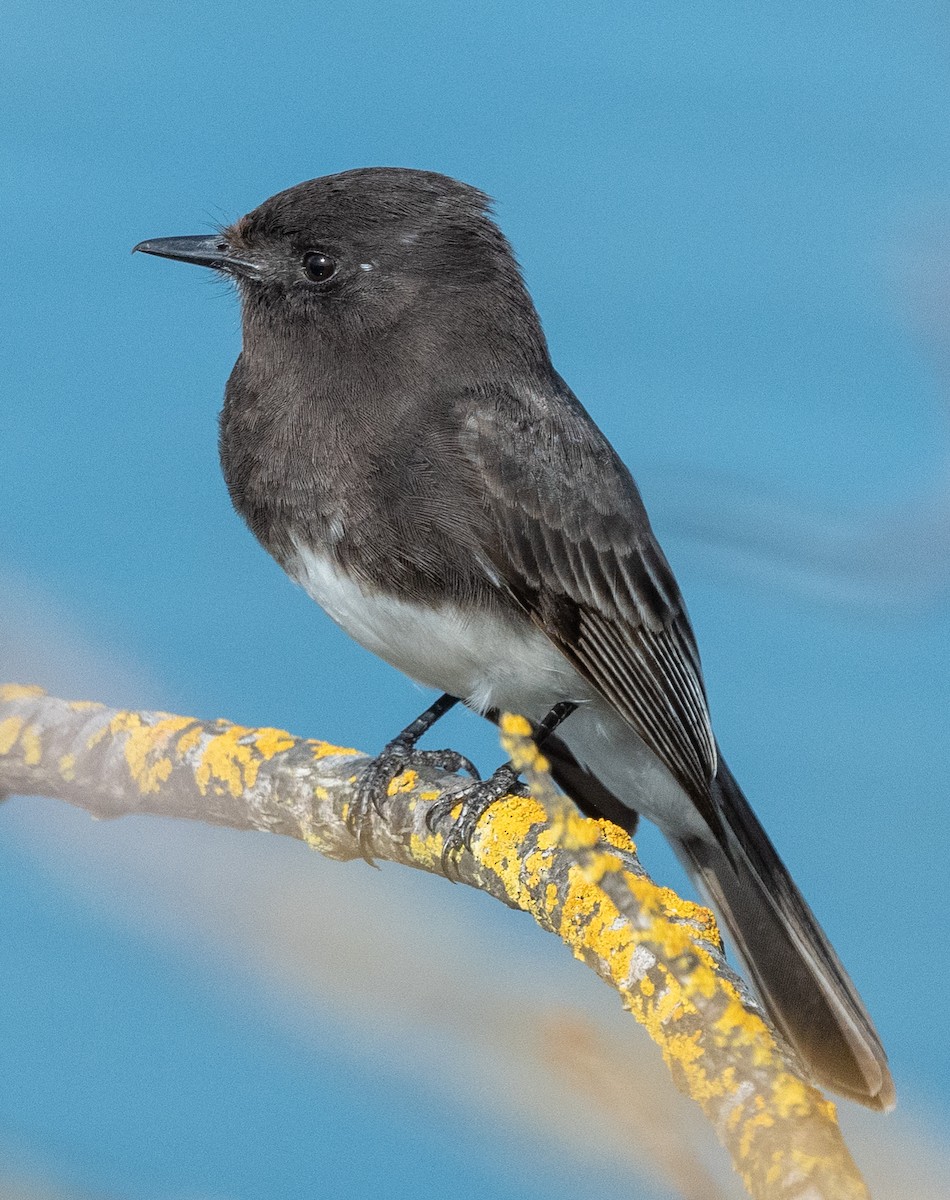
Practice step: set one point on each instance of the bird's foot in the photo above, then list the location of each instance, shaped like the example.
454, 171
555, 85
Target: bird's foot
475, 799
398, 756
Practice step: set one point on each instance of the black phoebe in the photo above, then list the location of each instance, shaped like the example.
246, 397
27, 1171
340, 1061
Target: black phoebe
396, 437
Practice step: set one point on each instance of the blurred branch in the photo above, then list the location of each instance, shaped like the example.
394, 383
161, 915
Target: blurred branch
890, 559
578, 878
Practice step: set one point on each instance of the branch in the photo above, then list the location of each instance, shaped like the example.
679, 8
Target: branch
578, 878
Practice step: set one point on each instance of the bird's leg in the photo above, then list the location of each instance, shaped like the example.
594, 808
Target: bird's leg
397, 756
476, 798
557, 716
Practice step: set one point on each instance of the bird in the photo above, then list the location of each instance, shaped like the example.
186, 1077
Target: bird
395, 435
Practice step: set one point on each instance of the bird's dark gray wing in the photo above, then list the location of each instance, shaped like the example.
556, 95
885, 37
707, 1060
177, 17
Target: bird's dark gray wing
570, 540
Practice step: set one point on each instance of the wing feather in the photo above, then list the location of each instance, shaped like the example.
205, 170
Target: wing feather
569, 538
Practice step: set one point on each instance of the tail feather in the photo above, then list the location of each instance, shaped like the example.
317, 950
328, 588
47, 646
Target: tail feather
800, 979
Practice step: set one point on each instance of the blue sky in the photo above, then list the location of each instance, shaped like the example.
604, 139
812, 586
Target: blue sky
734, 221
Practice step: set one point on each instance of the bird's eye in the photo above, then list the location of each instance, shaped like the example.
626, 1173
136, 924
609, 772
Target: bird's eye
318, 266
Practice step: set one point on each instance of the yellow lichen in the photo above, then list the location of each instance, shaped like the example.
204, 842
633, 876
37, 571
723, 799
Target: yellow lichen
500, 837
327, 750
145, 747
751, 1126
527, 759
668, 915
792, 1097
525, 754
98, 735
19, 691
600, 863
664, 903
616, 837
32, 746
514, 725
9, 732
231, 759
684, 1048
591, 922
315, 840
569, 830
426, 848
227, 763
405, 781
736, 1025
269, 742
668, 1005
189, 739
67, 767
533, 867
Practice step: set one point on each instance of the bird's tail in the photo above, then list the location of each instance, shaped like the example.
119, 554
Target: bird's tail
799, 978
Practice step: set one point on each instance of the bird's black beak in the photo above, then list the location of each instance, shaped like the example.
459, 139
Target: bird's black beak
211, 251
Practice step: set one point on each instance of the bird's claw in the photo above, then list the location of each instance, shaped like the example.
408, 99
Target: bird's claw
396, 758
475, 800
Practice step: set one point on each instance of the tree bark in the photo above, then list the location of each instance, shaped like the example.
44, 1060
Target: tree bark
578, 878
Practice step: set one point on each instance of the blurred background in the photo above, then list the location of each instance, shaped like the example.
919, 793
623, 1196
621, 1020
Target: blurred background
735, 221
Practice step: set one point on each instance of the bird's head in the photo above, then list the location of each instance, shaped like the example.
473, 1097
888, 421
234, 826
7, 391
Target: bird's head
354, 254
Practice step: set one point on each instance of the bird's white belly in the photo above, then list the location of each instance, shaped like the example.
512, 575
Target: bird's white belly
485, 659
493, 662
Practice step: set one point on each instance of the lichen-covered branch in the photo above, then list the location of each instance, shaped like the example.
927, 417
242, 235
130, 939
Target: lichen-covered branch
578, 878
